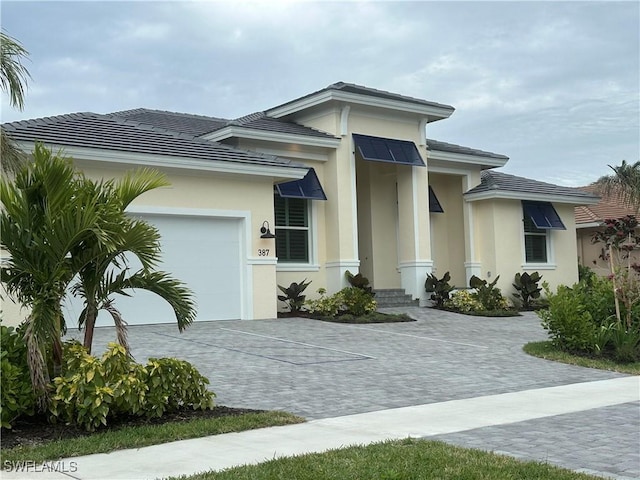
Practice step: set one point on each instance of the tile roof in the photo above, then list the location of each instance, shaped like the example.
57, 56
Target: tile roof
371, 92
492, 180
199, 125
108, 132
260, 121
452, 148
195, 125
609, 206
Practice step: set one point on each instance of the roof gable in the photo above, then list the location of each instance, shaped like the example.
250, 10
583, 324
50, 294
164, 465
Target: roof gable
436, 145
358, 94
260, 121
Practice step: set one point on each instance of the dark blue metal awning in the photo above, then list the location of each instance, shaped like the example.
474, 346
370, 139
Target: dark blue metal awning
309, 187
434, 203
543, 215
378, 149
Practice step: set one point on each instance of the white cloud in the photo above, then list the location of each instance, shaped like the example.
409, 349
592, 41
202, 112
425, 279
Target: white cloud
554, 85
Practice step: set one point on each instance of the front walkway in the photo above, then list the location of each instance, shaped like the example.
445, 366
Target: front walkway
465, 380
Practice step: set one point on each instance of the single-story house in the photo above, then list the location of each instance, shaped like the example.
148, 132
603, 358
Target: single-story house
590, 219
344, 177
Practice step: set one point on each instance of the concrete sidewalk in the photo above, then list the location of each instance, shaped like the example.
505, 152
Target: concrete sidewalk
224, 451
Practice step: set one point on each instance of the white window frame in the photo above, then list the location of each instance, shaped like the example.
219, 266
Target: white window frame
550, 263
312, 243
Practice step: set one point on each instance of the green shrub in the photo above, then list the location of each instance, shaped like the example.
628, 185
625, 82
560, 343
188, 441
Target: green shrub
16, 394
597, 297
174, 384
464, 301
439, 288
293, 295
527, 289
92, 390
568, 320
359, 281
326, 306
585, 274
488, 294
128, 380
349, 300
356, 301
81, 396
625, 343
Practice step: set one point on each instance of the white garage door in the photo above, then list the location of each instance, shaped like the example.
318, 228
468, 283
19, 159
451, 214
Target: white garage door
202, 252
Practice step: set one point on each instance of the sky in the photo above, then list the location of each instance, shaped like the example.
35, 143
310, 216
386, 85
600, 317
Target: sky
553, 85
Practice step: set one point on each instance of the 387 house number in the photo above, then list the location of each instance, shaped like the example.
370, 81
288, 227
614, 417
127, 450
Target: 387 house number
263, 252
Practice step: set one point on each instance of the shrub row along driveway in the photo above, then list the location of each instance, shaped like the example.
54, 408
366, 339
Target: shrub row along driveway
318, 370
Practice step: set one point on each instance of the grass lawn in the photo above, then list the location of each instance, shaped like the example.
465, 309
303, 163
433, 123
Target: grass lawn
408, 459
142, 436
547, 351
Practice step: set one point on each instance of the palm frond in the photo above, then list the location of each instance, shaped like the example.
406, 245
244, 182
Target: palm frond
171, 290
13, 74
624, 182
137, 182
11, 157
121, 325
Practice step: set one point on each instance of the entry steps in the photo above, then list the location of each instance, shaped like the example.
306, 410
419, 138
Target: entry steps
394, 297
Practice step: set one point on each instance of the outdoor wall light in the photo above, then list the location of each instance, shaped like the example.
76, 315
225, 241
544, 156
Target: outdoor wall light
265, 232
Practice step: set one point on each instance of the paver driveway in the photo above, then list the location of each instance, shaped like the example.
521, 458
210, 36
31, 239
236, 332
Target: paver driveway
318, 370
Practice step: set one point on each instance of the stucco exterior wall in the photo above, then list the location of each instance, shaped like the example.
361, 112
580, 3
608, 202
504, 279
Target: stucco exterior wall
385, 215
589, 254
378, 223
251, 197
448, 228
500, 245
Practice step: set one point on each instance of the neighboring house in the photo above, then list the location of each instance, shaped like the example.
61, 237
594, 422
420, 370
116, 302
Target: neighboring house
346, 179
589, 220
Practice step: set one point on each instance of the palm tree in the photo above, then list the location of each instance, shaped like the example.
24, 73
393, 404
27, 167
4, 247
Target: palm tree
57, 224
46, 214
109, 273
625, 181
13, 81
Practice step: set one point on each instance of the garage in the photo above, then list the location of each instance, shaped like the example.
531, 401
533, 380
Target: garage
203, 252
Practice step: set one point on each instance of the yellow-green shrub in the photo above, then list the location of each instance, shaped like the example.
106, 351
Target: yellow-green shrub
92, 390
464, 301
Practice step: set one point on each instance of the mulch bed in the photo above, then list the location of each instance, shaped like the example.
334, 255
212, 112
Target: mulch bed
36, 430
376, 317
487, 313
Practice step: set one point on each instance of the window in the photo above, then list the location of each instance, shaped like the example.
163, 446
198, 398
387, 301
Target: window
535, 242
292, 229
539, 218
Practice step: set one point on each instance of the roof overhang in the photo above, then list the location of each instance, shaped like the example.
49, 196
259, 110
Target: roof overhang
589, 225
431, 112
441, 158
233, 131
536, 197
281, 172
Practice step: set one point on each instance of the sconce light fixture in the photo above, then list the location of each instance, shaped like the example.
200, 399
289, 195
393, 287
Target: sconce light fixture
265, 231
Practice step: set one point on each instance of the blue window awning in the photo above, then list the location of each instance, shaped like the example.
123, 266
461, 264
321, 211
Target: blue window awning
376, 149
434, 203
309, 187
543, 215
